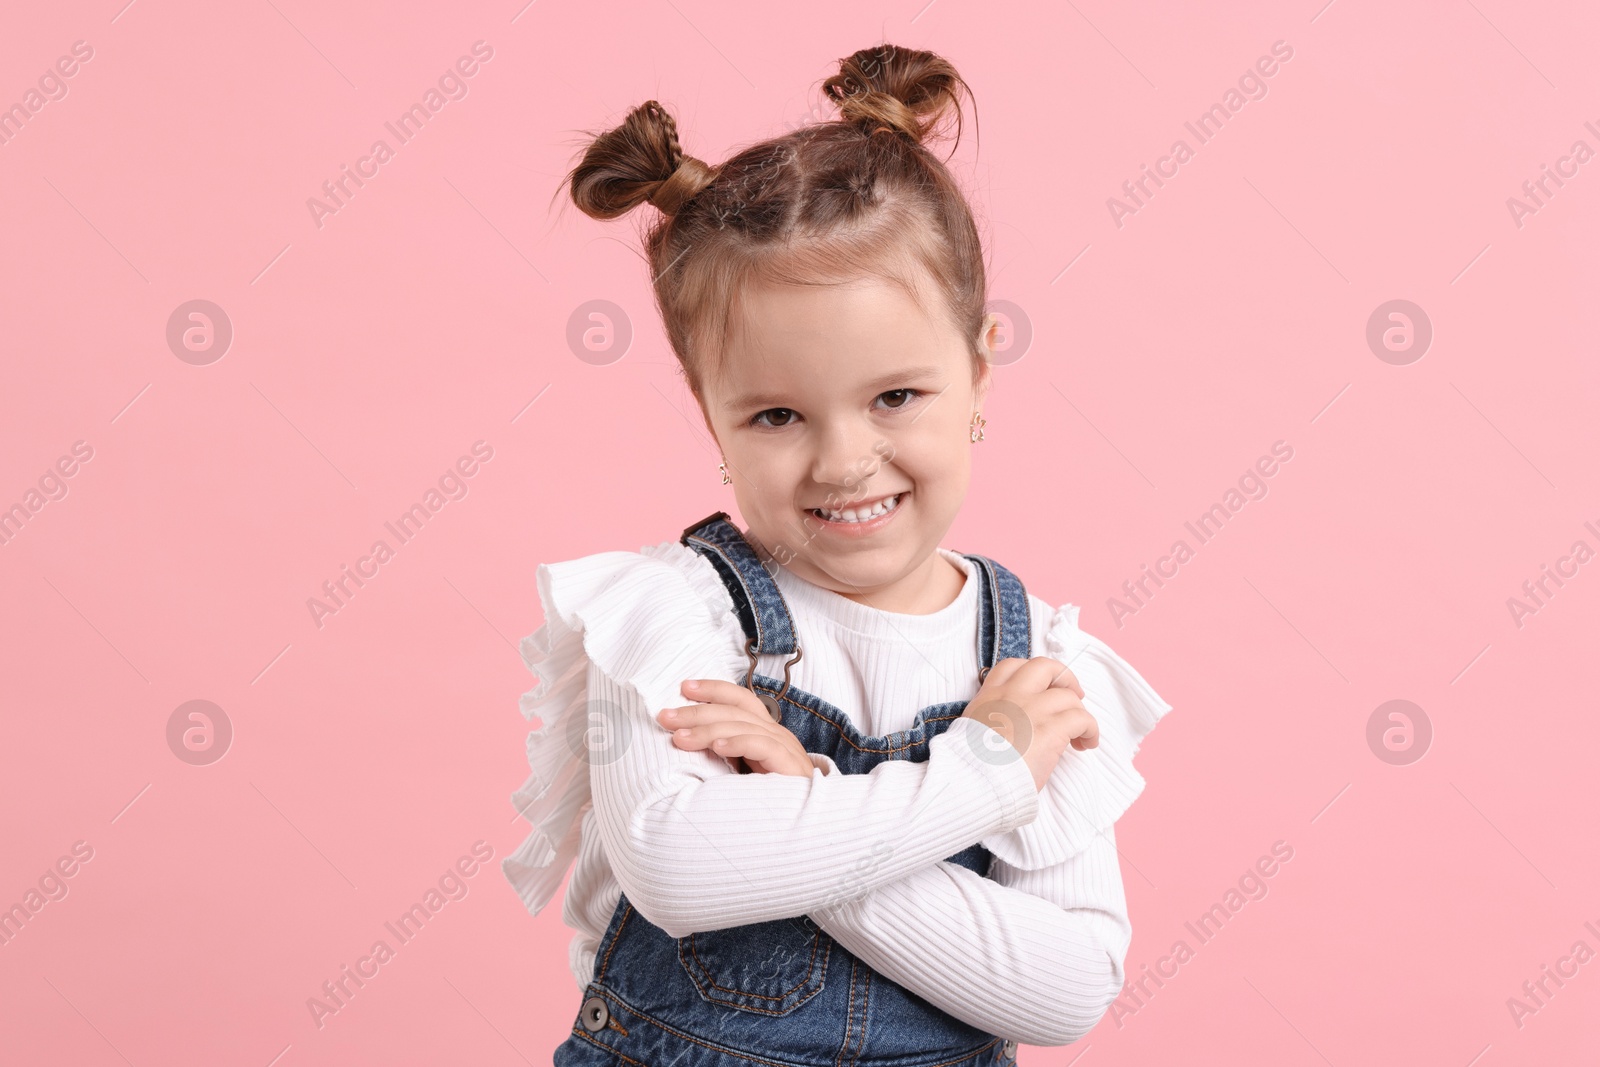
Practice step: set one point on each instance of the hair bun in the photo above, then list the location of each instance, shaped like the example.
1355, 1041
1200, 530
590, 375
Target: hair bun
637, 162
900, 89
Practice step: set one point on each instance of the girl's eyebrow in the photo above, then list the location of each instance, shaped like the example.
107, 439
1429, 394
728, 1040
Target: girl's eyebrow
878, 383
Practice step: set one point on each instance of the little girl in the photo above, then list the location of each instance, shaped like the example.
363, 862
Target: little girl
834, 791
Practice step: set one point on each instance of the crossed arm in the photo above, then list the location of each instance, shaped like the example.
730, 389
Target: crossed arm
1035, 955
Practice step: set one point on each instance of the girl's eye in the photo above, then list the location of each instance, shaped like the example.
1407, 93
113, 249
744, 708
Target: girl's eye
777, 418
785, 416
905, 396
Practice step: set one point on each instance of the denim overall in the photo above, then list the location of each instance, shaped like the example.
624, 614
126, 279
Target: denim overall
783, 993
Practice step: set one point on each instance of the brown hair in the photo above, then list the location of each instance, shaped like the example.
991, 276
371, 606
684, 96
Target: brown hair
822, 204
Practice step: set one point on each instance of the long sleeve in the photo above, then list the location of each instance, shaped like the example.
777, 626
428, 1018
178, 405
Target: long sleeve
699, 847
1034, 955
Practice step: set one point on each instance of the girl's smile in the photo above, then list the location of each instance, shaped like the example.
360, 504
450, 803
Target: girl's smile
863, 517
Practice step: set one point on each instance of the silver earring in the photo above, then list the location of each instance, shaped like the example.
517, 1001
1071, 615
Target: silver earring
976, 433
723, 467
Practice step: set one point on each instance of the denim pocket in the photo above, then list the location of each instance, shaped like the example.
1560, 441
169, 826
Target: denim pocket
769, 968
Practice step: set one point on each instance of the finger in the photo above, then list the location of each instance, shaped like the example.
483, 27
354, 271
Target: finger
1085, 730
1068, 716
1061, 713
695, 714
702, 735
1067, 680
721, 691
752, 748
1035, 675
1056, 699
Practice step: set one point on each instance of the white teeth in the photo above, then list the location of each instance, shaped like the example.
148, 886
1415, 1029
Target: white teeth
883, 507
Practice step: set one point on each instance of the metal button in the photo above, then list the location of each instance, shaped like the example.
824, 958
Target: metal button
594, 1014
773, 707
1010, 1047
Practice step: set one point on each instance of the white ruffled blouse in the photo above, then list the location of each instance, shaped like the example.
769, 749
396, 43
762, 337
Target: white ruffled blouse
1033, 952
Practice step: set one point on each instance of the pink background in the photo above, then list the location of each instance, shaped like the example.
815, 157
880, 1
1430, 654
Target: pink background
1228, 313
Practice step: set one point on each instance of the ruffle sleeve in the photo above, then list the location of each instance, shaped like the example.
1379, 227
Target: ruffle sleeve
647, 619
1088, 791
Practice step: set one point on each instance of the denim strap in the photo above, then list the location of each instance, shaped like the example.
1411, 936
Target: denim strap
762, 612
1008, 633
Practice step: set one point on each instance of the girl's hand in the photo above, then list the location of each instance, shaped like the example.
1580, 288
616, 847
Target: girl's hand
1037, 705
733, 723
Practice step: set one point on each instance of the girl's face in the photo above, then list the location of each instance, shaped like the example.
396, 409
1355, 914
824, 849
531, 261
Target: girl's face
849, 398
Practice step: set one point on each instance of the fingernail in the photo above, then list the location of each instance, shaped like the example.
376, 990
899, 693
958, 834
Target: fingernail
685, 732
691, 684
670, 713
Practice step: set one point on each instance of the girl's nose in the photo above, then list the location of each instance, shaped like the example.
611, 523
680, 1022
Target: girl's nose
845, 457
